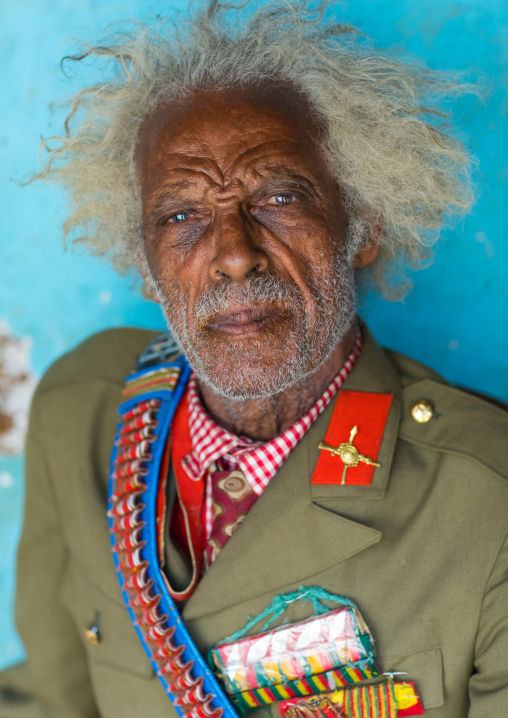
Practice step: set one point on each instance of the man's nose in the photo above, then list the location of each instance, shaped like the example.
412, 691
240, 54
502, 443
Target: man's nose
237, 249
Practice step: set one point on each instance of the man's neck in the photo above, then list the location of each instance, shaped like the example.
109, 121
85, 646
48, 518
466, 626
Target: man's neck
264, 419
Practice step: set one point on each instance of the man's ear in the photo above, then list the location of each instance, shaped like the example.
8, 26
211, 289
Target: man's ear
147, 293
370, 249
148, 289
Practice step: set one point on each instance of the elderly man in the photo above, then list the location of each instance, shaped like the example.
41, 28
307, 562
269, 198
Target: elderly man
335, 511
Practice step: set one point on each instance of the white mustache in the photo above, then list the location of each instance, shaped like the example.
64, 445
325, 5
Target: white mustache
263, 289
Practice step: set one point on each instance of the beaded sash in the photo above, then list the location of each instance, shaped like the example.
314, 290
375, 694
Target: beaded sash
150, 398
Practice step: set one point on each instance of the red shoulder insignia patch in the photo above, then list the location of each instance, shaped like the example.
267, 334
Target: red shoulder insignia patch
350, 449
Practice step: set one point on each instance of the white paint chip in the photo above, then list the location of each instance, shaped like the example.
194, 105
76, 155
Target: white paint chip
453, 344
6, 480
480, 237
17, 385
105, 296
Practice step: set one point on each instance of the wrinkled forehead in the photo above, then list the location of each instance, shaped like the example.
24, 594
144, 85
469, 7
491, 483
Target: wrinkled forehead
233, 128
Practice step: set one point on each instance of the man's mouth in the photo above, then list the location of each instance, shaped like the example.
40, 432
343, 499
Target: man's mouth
245, 321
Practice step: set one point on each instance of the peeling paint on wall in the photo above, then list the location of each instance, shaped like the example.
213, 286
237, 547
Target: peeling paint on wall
17, 385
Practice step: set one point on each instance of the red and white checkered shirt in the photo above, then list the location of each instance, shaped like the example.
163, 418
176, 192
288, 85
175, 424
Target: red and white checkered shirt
259, 461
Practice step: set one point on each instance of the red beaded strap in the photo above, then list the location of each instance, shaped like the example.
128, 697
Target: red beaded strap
135, 437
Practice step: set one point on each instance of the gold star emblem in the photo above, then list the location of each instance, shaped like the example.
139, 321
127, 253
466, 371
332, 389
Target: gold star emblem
348, 453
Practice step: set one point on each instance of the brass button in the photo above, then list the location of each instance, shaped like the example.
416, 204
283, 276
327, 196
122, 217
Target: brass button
92, 634
422, 411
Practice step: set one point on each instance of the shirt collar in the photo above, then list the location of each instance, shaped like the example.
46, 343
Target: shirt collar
258, 460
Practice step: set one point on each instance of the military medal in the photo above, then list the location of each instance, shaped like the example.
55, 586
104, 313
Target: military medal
348, 454
331, 649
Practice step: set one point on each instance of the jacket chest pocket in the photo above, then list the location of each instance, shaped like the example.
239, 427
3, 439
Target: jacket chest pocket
425, 669
104, 624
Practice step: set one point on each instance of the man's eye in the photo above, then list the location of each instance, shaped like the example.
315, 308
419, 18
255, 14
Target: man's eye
178, 217
282, 199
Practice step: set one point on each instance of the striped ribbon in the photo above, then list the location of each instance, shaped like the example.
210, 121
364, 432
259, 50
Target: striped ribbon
346, 675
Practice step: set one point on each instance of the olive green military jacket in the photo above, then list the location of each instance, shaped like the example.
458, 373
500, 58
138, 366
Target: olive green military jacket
422, 550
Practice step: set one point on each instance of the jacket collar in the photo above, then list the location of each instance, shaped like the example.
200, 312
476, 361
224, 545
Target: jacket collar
295, 530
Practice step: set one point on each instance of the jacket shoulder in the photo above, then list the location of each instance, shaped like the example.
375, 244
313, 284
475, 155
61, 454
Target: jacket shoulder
107, 356
410, 370
457, 422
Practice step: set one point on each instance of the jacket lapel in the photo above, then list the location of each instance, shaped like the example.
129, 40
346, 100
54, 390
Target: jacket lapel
288, 536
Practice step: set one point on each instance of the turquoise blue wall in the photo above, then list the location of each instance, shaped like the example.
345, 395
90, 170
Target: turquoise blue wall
455, 318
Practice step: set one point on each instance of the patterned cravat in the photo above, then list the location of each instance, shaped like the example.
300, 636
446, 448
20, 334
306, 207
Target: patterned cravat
232, 498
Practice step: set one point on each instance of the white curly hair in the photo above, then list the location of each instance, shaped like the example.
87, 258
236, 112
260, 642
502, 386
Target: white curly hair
385, 140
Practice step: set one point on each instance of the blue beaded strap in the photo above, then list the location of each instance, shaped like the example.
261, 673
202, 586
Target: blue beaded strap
151, 396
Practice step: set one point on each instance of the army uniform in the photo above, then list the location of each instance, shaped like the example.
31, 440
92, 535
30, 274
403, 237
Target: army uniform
421, 550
